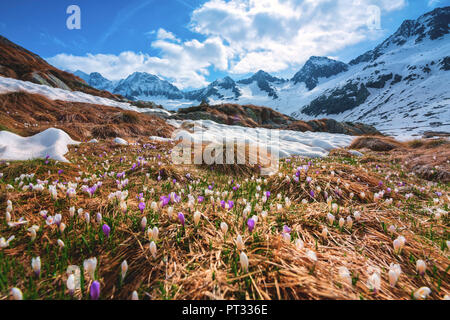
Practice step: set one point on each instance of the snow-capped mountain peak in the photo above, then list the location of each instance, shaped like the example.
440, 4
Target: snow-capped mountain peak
316, 68
142, 86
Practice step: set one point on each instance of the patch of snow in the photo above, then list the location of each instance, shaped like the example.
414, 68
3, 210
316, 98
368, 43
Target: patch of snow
51, 142
355, 153
121, 141
156, 138
285, 143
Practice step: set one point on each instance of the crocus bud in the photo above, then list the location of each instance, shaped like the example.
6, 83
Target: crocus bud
239, 243
143, 223
394, 274
422, 293
33, 234
224, 227
399, 244
421, 267
311, 255
62, 227
155, 233
16, 294
345, 276
134, 295
90, 265
357, 215
244, 262
170, 212
197, 216
299, 244
60, 243
349, 222
99, 218
324, 233
374, 282
124, 269
334, 207
36, 265
72, 211
71, 284
94, 290
106, 230
341, 222
330, 218
141, 206
153, 249
181, 218
250, 224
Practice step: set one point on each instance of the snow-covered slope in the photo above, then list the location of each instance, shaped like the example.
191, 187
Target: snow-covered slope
13, 85
400, 87
50, 143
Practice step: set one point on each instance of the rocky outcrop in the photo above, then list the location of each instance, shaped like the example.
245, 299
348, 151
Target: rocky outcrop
255, 116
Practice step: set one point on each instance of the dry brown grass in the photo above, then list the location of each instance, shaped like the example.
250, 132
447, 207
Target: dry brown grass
200, 263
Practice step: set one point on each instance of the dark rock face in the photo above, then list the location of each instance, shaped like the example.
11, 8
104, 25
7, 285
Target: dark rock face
318, 67
380, 82
338, 100
445, 63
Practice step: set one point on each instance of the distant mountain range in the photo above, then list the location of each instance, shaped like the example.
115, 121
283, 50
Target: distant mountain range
402, 84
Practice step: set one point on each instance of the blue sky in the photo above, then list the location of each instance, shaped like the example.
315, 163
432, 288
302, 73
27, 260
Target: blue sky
193, 42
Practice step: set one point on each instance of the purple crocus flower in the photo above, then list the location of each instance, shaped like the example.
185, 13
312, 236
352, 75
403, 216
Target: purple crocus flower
311, 193
94, 290
200, 199
439, 194
388, 190
380, 184
164, 200
286, 229
60, 171
181, 218
106, 230
267, 194
251, 224
141, 206
46, 159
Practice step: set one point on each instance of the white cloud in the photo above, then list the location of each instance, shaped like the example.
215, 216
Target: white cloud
163, 34
277, 34
433, 3
185, 64
242, 36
